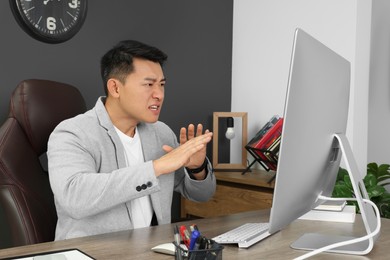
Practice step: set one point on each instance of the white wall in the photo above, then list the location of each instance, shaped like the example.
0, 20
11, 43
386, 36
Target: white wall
262, 42
379, 98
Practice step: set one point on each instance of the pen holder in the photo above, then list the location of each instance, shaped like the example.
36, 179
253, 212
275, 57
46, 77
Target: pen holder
212, 253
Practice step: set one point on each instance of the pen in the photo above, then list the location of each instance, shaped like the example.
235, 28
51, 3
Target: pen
197, 243
194, 236
177, 239
195, 227
185, 235
194, 245
202, 244
208, 244
176, 235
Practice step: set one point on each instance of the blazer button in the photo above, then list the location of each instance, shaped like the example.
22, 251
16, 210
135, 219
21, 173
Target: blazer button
149, 183
138, 188
144, 186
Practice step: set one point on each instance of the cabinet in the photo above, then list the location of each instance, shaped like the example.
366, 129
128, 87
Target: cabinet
235, 193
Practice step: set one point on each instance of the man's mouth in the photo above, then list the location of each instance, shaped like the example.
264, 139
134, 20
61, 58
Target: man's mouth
154, 107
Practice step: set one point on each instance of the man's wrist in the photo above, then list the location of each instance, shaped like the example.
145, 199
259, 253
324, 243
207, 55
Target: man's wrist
199, 169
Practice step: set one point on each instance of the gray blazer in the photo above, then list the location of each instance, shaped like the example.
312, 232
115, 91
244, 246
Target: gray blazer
92, 185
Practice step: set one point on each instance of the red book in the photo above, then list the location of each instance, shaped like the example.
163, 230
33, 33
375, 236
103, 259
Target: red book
270, 136
267, 140
264, 130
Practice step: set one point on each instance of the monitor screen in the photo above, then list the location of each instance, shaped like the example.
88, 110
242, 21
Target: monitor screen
316, 109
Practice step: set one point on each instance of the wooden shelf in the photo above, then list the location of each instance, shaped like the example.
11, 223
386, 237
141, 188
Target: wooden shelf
235, 193
256, 178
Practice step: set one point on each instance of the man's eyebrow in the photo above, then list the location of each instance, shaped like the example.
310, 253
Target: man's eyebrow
154, 80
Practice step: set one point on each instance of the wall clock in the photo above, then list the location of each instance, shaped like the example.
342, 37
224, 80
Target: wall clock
50, 21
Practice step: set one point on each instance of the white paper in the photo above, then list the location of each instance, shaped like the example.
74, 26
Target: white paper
63, 255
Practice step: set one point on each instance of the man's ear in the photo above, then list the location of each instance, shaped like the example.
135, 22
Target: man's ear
113, 87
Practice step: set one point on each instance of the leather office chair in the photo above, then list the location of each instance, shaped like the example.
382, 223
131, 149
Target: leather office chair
26, 199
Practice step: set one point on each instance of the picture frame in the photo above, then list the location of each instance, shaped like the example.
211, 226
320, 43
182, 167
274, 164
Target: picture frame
218, 166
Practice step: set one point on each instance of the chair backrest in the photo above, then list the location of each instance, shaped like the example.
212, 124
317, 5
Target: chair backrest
26, 200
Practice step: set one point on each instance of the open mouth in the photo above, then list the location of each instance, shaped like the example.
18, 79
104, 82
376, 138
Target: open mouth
154, 107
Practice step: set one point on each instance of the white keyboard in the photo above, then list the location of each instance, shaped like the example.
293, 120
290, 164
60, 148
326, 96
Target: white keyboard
244, 235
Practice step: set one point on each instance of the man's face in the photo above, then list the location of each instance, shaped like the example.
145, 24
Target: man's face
142, 95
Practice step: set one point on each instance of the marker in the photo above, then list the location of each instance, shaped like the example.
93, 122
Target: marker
176, 235
197, 243
194, 236
185, 235
203, 242
194, 227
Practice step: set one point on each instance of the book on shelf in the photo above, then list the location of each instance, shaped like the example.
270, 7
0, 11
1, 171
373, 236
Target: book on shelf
263, 130
274, 149
332, 205
271, 140
265, 145
346, 215
270, 136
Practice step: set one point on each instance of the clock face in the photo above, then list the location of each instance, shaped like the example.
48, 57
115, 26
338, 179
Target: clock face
51, 21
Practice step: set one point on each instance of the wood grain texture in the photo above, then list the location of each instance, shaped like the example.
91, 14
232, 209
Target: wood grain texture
235, 193
136, 244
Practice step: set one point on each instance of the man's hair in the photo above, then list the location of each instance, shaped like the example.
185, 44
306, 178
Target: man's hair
118, 62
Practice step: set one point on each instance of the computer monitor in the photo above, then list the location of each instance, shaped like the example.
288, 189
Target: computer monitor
313, 142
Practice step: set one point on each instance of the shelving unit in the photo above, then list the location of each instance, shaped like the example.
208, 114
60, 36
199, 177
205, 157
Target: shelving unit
235, 193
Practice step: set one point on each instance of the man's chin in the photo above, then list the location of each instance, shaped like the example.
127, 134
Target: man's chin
151, 121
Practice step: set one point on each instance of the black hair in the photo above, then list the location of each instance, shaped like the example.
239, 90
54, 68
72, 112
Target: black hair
118, 62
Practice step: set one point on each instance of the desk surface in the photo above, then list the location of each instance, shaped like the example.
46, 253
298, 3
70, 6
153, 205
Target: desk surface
136, 244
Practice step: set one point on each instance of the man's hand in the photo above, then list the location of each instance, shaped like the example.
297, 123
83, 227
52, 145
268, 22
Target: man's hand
191, 153
197, 159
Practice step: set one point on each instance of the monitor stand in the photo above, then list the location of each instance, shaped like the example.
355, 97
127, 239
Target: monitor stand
313, 241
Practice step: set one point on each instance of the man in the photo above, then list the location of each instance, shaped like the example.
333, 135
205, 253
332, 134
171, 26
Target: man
116, 166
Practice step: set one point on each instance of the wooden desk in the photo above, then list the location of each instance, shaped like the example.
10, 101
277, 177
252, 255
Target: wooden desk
235, 193
136, 244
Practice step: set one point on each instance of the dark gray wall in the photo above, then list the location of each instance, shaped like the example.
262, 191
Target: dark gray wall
196, 35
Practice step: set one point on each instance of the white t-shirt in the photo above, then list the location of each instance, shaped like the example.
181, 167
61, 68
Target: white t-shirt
141, 210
